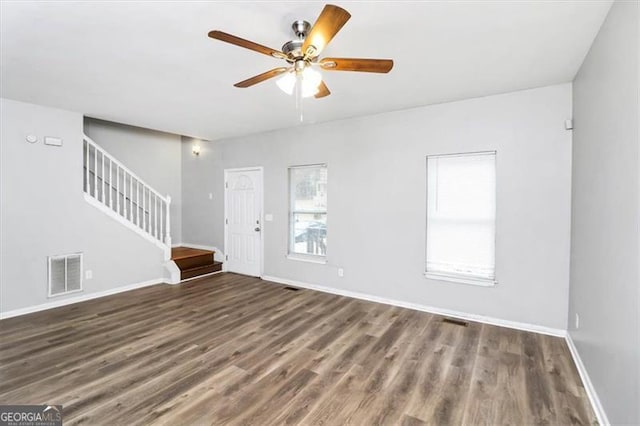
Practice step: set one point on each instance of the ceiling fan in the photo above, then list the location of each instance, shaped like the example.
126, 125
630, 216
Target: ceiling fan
303, 54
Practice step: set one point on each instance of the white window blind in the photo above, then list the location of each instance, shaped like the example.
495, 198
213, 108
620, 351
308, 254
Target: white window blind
461, 216
308, 211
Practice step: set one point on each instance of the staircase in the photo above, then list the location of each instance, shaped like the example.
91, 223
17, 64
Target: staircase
120, 193
111, 187
194, 262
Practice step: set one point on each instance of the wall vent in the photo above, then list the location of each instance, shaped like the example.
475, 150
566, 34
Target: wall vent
65, 274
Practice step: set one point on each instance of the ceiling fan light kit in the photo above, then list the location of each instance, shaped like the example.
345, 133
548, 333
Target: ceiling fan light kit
302, 56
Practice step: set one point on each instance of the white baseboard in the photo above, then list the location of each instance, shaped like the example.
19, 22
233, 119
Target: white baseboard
433, 310
588, 385
76, 299
219, 255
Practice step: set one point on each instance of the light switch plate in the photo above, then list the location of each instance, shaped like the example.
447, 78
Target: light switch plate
268, 217
88, 274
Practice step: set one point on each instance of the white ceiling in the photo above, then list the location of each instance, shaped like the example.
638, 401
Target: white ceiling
152, 65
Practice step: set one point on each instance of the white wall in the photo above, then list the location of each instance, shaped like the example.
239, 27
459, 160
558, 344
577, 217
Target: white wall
605, 281
43, 212
376, 199
154, 156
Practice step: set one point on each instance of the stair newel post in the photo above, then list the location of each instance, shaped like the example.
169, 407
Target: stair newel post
167, 225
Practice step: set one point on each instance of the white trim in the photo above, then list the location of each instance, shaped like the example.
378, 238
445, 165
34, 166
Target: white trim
172, 272
433, 310
115, 216
586, 381
260, 215
460, 279
77, 299
321, 260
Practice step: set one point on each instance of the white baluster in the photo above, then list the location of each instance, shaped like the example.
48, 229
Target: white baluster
167, 227
86, 169
95, 172
138, 203
111, 184
131, 198
144, 208
118, 188
156, 215
160, 235
103, 182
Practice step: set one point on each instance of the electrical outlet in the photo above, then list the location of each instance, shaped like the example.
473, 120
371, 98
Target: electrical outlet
88, 274
577, 321
211, 196
340, 272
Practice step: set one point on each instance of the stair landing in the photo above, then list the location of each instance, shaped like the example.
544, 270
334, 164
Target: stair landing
194, 262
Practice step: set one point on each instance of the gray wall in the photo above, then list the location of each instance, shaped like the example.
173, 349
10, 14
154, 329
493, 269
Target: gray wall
43, 212
200, 218
376, 199
154, 156
605, 216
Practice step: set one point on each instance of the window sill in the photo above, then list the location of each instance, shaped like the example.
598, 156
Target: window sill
302, 258
461, 279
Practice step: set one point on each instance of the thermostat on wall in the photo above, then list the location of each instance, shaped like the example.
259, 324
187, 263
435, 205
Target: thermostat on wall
32, 138
49, 140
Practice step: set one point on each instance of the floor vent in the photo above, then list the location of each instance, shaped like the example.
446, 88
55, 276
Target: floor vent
455, 322
291, 288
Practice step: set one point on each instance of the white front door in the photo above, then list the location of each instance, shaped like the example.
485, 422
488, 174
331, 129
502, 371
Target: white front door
243, 221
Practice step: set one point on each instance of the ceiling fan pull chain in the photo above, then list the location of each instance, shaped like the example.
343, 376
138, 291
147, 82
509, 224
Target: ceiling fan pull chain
298, 96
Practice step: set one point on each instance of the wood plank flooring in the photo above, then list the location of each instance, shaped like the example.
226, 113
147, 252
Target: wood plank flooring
230, 349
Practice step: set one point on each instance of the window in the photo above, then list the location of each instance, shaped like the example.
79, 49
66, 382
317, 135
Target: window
461, 217
308, 212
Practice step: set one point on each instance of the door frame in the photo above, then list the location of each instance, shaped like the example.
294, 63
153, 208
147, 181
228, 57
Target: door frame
260, 215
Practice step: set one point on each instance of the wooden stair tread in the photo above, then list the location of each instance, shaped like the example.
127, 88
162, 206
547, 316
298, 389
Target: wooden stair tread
178, 253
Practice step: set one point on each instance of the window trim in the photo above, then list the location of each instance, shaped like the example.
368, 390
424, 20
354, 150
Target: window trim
304, 257
453, 277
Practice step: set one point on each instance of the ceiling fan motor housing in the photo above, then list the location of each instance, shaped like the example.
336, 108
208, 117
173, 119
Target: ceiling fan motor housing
301, 28
293, 48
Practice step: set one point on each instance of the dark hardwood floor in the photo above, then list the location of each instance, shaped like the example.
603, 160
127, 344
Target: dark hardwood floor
230, 349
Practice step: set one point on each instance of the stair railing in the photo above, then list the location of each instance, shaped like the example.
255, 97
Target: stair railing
112, 186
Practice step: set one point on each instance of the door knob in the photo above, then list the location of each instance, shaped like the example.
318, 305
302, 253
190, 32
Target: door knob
257, 229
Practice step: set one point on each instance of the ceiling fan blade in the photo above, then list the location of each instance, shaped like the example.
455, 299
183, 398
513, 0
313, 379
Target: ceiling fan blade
228, 38
331, 19
356, 64
261, 77
323, 91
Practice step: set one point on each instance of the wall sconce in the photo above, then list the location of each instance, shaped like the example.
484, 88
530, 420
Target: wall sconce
196, 149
